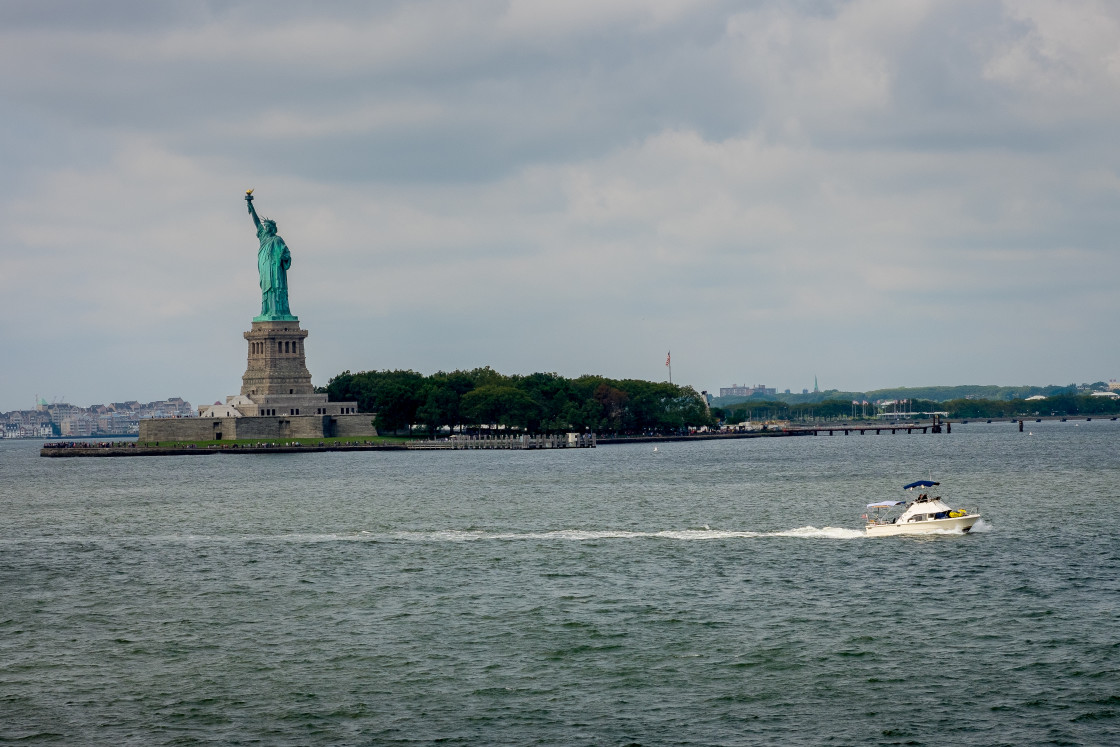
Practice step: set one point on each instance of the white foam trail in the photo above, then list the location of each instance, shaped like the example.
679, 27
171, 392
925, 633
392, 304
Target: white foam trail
452, 535
981, 526
823, 533
581, 535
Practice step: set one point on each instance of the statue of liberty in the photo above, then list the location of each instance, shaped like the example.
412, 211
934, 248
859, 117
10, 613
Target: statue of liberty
273, 261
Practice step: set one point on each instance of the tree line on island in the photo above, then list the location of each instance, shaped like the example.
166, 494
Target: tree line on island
938, 394
536, 403
959, 409
550, 403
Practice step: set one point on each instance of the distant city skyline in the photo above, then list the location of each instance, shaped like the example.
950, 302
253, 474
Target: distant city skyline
51, 419
881, 193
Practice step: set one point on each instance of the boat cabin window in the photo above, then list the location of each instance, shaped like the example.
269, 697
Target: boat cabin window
918, 517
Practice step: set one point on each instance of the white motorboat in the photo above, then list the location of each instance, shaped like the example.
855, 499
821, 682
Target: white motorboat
922, 515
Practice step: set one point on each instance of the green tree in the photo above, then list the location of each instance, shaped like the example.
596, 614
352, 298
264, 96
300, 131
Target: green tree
393, 395
498, 404
539, 402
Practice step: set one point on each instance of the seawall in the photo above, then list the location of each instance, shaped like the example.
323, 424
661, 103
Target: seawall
139, 451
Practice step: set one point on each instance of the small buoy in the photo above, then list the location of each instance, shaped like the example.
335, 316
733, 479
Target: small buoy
655, 448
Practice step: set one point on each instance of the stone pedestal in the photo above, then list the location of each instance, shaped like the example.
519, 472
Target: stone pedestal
276, 361
276, 382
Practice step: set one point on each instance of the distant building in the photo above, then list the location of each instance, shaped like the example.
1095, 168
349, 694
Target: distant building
227, 410
735, 390
77, 426
27, 424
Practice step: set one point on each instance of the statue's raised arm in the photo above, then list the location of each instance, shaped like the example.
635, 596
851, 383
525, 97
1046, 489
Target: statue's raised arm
252, 210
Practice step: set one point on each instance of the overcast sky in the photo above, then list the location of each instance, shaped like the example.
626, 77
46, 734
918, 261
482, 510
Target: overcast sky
878, 193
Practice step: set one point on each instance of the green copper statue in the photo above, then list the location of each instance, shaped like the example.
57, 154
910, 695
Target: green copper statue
273, 261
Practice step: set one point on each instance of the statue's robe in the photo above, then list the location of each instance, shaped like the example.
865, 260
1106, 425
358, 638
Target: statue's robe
273, 261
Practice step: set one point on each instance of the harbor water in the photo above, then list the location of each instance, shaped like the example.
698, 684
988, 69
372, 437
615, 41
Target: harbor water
700, 594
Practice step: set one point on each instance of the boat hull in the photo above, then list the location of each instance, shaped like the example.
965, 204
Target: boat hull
959, 524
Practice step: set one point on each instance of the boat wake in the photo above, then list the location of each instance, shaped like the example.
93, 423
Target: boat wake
581, 535
454, 535
823, 533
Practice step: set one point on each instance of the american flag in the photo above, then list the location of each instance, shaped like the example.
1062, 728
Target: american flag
668, 357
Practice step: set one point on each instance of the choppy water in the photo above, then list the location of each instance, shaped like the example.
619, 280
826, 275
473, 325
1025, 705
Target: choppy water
704, 594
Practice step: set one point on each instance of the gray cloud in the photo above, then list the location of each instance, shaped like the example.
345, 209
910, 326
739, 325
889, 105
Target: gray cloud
771, 190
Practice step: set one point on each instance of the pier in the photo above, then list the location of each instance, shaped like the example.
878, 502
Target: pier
133, 449
936, 425
525, 441
862, 429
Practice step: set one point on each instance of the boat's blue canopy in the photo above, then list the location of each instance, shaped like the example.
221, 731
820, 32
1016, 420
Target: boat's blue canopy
920, 484
884, 504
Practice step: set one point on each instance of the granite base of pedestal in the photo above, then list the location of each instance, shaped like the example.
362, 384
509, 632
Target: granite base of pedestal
285, 426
